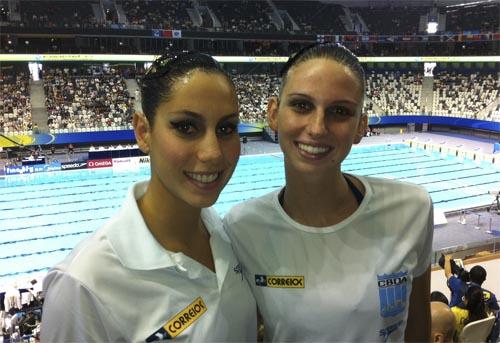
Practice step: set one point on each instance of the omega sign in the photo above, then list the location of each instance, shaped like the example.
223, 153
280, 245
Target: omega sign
100, 163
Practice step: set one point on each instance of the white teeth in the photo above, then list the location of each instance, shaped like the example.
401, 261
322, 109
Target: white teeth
203, 178
313, 149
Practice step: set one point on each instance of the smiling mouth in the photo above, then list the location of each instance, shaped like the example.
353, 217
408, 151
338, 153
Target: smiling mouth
314, 149
205, 178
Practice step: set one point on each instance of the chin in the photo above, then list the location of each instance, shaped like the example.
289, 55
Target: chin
202, 202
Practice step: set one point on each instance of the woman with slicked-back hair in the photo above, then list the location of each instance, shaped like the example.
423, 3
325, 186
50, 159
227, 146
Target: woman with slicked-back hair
163, 267
333, 256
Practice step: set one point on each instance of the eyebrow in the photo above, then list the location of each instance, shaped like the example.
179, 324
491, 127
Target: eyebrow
199, 116
349, 102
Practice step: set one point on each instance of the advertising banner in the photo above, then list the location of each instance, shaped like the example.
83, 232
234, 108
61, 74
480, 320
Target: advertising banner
100, 163
125, 162
143, 159
35, 168
74, 165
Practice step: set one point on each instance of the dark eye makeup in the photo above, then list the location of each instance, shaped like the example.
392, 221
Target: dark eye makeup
190, 127
185, 127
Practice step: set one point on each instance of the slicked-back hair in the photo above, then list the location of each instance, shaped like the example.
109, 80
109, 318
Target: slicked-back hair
332, 51
166, 70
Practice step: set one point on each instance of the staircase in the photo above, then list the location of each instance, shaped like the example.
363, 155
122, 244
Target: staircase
427, 95
38, 110
483, 114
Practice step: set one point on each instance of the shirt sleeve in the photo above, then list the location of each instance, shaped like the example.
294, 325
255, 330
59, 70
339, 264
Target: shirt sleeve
492, 302
426, 251
72, 313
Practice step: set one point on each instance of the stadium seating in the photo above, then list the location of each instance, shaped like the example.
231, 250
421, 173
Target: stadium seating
15, 105
82, 99
158, 14
69, 14
464, 95
395, 93
249, 16
314, 16
482, 17
399, 20
253, 94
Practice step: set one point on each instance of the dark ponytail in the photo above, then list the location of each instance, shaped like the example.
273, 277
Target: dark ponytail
475, 304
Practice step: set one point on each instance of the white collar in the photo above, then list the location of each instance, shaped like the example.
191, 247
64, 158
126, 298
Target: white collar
134, 244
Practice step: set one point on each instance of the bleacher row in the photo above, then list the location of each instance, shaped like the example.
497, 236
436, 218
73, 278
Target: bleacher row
80, 99
98, 99
249, 16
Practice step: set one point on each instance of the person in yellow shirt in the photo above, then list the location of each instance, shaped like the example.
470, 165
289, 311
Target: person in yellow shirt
471, 309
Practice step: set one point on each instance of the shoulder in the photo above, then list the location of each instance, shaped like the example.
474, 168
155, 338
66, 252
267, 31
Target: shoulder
459, 310
490, 297
397, 191
92, 321
251, 209
388, 185
90, 258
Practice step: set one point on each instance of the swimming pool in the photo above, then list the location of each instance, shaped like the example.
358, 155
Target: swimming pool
44, 215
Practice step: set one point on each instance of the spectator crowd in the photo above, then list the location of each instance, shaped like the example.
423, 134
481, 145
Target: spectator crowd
471, 314
15, 105
97, 97
79, 99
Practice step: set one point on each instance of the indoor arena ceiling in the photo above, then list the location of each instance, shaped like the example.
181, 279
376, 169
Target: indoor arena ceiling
397, 3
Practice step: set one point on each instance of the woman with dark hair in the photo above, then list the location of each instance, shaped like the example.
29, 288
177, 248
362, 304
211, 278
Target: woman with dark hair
471, 309
333, 256
163, 266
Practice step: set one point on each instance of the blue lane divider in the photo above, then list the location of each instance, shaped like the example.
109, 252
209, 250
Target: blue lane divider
35, 253
46, 237
65, 212
59, 188
64, 203
67, 182
26, 272
53, 224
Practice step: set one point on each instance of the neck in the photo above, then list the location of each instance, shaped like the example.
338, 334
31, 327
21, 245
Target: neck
318, 202
175, 224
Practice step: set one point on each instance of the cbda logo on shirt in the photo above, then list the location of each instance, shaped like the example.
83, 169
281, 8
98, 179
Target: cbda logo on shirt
385, 333
279, 281
392, 289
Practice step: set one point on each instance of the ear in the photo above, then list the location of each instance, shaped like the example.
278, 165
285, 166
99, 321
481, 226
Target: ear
438, 337
361, 130
142, 131
272, 113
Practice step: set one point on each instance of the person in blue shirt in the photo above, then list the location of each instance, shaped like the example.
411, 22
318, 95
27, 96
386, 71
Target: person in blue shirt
456, 279
477, 277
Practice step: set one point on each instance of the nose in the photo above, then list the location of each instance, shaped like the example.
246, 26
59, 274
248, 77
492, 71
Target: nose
209, 149
317, 124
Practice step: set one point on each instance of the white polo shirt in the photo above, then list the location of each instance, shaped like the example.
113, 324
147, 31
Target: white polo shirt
120, 284
349, 282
